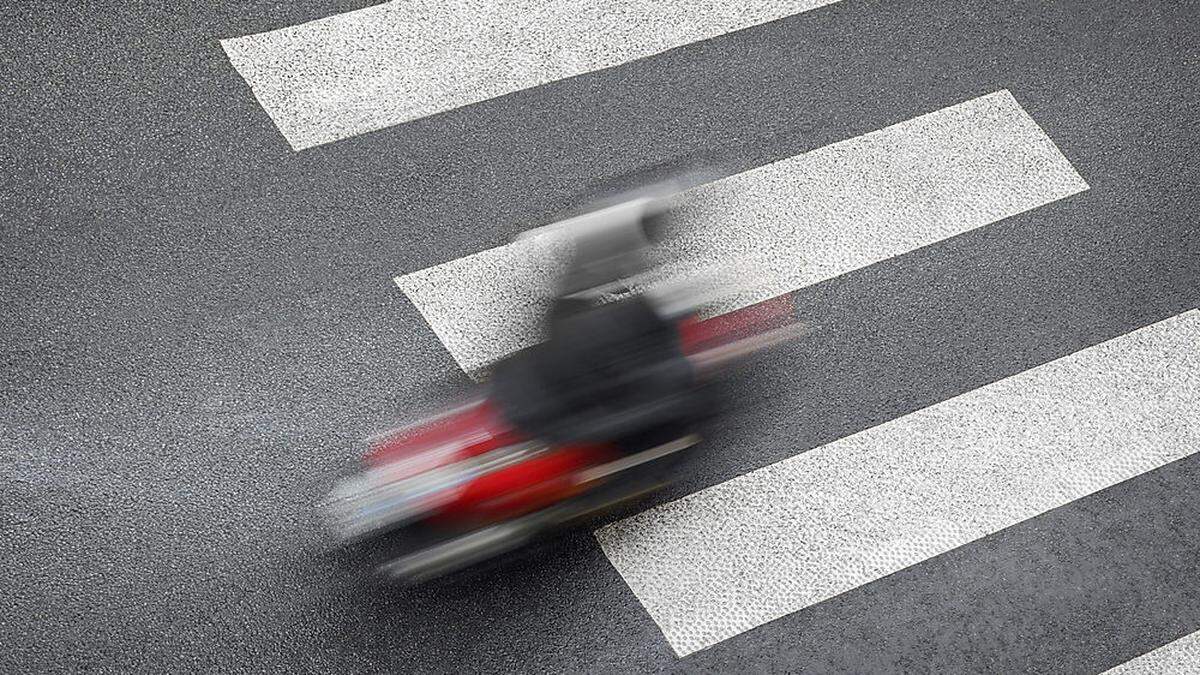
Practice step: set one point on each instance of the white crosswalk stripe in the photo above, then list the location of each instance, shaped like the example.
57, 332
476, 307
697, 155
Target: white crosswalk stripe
794, 223
734, 556
372, 68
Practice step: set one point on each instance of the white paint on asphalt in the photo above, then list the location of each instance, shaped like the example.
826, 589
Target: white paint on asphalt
351, 73
1180, 656
758, 547
796, 222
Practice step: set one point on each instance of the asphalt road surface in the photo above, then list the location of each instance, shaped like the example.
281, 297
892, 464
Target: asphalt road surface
199, 323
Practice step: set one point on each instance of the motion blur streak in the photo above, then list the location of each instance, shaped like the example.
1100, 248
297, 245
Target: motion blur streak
601, 412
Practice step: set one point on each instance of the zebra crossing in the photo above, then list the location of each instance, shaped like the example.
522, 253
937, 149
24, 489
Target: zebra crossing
774, 541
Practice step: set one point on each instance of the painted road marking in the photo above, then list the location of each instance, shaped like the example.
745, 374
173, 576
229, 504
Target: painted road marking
351, 73
726, 559
1180, 656
795, 222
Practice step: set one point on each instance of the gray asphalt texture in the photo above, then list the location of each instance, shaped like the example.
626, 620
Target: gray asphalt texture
199, 324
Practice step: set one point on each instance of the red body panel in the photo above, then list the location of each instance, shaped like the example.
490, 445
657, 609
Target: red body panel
531, 485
